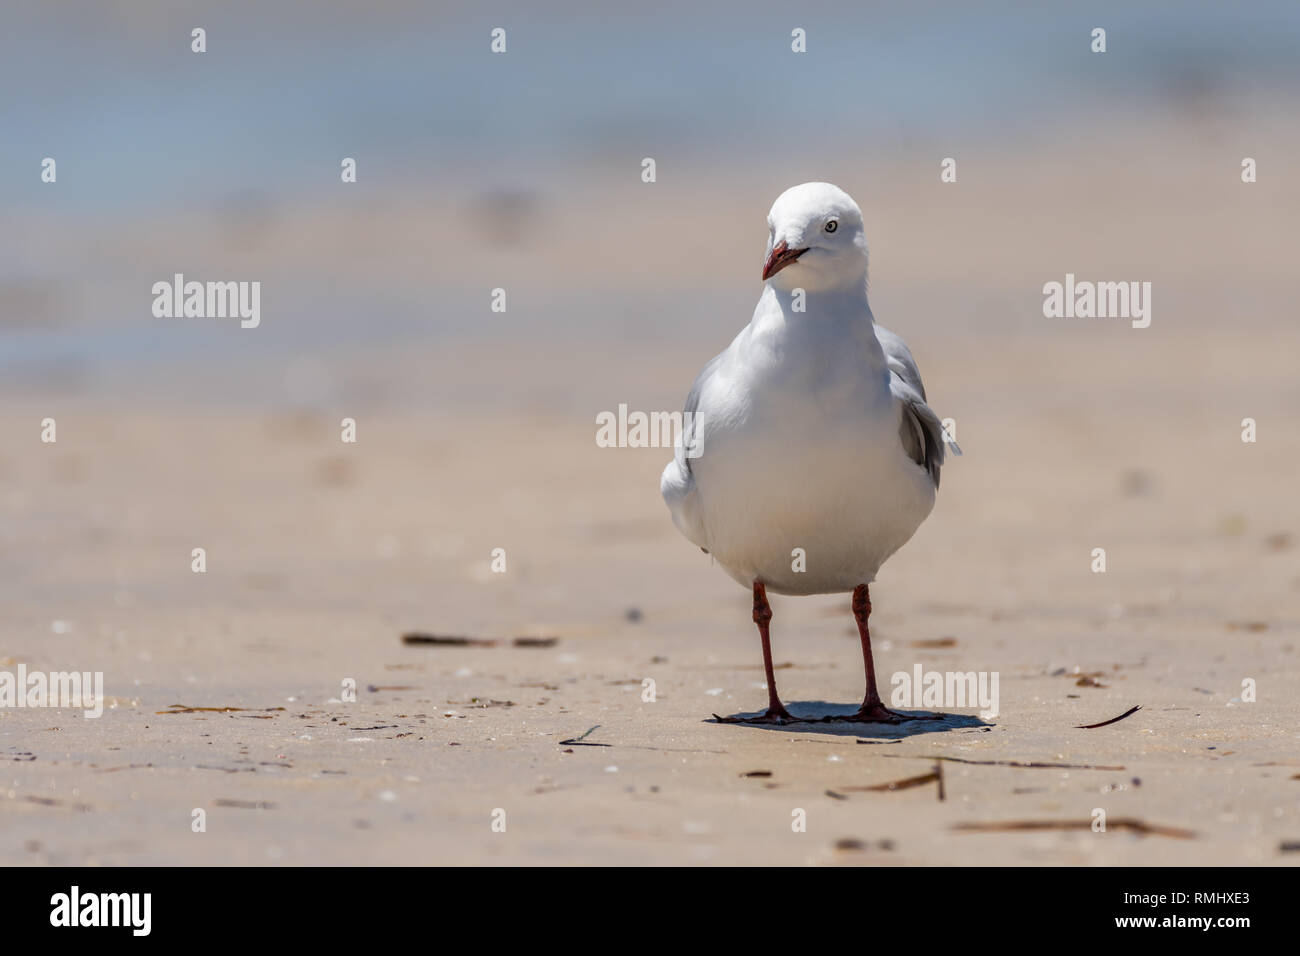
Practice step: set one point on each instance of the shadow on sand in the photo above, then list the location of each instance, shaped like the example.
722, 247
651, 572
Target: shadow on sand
818, 710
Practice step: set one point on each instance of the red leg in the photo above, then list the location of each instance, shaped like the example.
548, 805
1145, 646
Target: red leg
873, 709
776, 712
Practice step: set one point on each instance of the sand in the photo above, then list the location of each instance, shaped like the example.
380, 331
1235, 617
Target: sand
320, 556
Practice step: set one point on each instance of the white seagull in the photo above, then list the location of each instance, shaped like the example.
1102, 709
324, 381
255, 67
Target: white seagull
811, 455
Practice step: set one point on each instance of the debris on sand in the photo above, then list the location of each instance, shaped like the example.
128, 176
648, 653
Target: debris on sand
1140, 827
1024, 764
244, 804
582, 741
907, 783
448, 640
936, 642
853, 845
185, 709
1128, 713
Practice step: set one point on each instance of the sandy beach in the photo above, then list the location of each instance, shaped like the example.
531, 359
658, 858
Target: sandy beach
272, 696
321, 556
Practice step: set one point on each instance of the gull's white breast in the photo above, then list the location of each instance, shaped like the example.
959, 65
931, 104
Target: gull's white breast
802, 481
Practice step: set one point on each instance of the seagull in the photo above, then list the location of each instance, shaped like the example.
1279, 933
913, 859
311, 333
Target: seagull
808, 454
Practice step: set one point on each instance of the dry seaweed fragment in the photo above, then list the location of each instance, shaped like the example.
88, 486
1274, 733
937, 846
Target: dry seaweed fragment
582, 741
907, 783
455, 640
936, 642
244, 804
1140, 827
449, 640
130, 766
55, 802
185, 709
1023, 764
1128, 713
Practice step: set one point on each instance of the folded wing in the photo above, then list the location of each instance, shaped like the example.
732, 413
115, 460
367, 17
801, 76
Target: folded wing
919, 429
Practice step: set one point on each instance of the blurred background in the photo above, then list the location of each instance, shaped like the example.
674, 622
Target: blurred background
476, 428
523, 171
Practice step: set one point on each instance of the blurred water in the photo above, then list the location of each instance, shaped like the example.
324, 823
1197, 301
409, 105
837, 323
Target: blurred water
286, 88
243, 142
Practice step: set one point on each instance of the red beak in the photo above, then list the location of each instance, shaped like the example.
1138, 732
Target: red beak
782, 256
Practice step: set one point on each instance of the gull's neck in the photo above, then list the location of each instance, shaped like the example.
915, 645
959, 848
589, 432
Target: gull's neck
835, 321
846, 303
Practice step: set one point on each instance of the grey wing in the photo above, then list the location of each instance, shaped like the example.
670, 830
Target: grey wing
920, 429
900, 360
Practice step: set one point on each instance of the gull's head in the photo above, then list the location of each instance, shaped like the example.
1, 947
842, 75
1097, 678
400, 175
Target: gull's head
815, 240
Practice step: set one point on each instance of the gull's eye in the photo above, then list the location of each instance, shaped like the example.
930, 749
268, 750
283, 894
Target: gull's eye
832, 225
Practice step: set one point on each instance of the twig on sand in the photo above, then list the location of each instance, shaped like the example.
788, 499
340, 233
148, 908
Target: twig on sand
452, 640
1140, 827
1024, 764
186, 709
244, 804
581, 741
907, 783
448, 640
1128, 713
